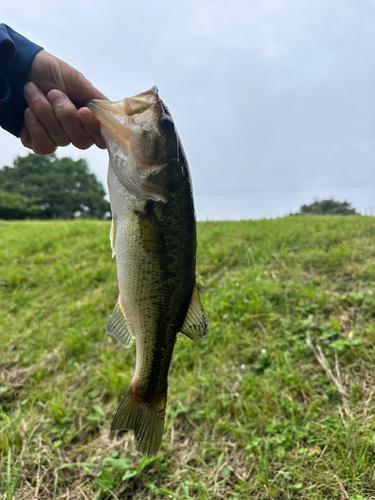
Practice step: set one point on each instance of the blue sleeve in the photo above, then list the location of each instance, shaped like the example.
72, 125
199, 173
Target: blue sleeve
16, 56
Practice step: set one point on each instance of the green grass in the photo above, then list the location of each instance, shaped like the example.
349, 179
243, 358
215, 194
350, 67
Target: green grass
276, 403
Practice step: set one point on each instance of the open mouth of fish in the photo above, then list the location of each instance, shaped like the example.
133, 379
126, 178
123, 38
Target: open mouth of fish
121, 118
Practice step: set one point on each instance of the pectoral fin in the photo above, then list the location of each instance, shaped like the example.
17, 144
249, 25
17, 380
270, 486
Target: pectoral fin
195, 325
117, 326
112, 235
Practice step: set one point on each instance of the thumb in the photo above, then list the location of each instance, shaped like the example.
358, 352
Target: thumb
79, 89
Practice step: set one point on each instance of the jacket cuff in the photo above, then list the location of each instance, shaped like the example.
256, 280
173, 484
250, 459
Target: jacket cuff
16, 56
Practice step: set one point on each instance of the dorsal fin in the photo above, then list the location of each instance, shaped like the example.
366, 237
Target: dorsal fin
117, 326
195, 325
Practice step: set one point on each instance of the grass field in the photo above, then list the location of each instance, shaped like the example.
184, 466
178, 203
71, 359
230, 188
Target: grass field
276, 403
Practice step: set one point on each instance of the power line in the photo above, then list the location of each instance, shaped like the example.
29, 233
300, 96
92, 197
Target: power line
295, 188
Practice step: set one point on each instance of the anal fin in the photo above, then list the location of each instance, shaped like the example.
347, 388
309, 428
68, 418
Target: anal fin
117, 326
195, 325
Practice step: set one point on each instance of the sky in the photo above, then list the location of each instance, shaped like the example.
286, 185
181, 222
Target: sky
274, 100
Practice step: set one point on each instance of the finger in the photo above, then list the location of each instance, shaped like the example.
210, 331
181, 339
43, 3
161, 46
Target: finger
41, 142
79, 88
25, 137
91, 125
43, 111
66, 113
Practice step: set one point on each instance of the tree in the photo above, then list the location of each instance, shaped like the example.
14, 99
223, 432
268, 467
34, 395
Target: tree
47, 187
328, 207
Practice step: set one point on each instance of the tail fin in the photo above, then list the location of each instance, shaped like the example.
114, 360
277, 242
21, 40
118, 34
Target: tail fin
146, 419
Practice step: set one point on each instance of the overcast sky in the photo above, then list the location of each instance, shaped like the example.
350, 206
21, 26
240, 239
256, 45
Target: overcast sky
274, 100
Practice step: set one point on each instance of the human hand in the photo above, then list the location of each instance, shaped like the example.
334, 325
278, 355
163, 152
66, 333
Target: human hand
53, 93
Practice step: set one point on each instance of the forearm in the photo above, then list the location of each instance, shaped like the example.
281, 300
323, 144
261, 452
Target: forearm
16, 56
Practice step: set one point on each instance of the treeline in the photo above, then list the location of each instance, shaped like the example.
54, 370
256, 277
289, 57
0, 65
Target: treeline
47, 187
328, 207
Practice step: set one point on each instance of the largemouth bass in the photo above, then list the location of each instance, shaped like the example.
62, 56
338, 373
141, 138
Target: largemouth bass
153, 235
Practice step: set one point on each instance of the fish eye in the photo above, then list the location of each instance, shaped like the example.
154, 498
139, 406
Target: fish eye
166, 123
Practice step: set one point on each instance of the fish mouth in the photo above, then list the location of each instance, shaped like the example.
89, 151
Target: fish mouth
140, 103
119, 118
116, 115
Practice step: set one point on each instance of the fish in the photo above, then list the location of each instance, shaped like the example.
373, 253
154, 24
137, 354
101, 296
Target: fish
153, 235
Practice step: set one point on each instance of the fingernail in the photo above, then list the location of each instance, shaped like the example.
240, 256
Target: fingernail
86, 118
31, 91
55, 97
29, 115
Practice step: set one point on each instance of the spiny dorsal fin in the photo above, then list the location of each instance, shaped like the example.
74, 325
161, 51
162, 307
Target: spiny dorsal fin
112, 235
117, 326
195, 325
